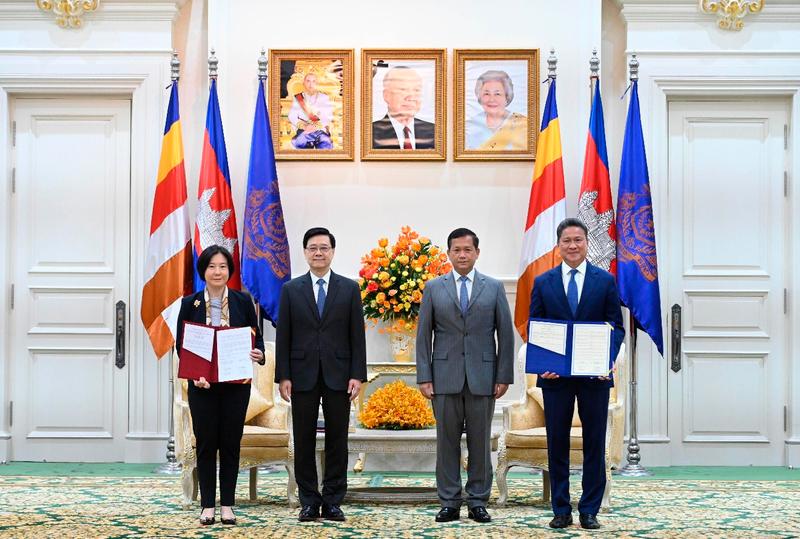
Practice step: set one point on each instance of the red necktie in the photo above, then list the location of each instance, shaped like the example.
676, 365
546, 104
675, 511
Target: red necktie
407, 141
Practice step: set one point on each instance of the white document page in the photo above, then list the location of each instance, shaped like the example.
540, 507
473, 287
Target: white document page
199, 340
233, 354
591, 344
548, 335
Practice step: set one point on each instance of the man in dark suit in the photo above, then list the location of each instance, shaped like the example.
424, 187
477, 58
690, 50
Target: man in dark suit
465, 361
320, 354
400, 129
576, 291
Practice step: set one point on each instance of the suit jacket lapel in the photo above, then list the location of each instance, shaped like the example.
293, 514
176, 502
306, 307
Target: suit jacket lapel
308, 292
557, 282
477, 288
199, 311
333, 287
588, 289
449, 286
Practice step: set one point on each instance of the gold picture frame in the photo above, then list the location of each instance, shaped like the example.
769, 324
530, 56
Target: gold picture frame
496, 104
417, 90
311, 103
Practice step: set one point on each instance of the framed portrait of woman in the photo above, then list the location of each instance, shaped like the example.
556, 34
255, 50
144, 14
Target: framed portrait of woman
311, 103
403, 104
497, 104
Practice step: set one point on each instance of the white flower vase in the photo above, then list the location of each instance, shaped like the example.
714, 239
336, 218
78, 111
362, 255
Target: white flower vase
401, 345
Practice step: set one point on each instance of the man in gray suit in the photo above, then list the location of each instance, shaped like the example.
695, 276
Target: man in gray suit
465, 361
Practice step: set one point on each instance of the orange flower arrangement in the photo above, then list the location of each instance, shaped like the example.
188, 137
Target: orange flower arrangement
396, 406
392, 278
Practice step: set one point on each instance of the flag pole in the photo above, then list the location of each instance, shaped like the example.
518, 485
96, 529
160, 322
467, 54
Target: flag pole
594, 78
633, 468
172, 466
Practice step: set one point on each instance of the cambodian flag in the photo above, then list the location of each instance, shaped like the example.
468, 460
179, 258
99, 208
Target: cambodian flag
216, 217
637, 263
265, 254
595, 207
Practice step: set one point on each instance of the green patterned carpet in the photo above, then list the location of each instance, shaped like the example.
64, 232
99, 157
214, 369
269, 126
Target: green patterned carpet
146, 505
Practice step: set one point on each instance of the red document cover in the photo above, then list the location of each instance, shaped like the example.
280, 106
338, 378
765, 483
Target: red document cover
193, 367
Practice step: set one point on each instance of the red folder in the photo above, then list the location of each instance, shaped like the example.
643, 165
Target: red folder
193, 367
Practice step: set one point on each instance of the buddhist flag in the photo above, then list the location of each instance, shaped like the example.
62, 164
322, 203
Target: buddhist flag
216, 217
546, 209
637, 263
595, 207
265, 253
168, 266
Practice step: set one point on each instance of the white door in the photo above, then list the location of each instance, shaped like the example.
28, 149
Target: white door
69, 261
726, 269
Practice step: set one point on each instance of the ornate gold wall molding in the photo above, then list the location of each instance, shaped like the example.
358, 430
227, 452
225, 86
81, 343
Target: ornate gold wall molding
68, 12
731, 12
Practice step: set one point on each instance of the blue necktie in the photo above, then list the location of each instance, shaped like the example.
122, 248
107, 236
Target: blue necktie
464, 295
321, 296
572, 292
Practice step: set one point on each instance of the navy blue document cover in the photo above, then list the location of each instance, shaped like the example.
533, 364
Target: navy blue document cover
539, 360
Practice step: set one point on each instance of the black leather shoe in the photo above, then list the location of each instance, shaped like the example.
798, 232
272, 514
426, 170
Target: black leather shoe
207, 521
589, 521
227, 521
561, 521
479, 514
332, 512
448, 514
308, 513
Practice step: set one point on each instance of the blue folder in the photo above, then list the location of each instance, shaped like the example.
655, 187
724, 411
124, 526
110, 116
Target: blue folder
539, 360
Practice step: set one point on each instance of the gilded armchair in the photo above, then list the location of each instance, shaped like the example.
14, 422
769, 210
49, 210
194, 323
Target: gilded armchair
523, 441
267, 432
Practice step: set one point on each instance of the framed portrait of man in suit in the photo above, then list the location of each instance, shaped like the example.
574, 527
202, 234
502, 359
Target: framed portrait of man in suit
403, 104
311, 103
496, 104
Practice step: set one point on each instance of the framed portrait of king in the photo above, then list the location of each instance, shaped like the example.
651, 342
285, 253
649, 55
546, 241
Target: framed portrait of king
311, 103
497, 104
403, 104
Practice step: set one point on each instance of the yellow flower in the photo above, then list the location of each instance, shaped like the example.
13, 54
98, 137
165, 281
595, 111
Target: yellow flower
363, 294
383, 276
403, 259
383, 242
381, 297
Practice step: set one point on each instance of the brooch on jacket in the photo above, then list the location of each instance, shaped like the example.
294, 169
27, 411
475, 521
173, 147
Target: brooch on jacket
197, 303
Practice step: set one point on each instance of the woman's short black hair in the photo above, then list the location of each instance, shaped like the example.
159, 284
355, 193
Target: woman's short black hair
208, 253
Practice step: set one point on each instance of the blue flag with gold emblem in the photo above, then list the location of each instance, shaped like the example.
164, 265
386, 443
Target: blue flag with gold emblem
637, 263
265, 247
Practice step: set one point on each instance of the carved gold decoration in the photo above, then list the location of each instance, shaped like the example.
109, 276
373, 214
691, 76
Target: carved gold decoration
731, 12
68, 12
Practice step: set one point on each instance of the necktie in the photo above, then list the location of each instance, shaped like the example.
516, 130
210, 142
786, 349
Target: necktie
407, 140
464, 295
572, 292
321, 296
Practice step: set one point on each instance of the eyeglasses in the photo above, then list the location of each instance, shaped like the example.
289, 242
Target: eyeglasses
323, 249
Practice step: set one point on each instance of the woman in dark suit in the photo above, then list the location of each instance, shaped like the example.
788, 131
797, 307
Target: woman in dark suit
218, 409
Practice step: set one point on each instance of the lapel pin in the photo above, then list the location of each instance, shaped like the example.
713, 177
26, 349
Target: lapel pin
197, 303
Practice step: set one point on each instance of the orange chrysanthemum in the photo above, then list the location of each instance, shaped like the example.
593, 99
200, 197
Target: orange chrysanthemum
397, 406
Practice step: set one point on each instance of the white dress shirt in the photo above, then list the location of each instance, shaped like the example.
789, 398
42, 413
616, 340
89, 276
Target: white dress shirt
326, 278
398, 129
470, 279
565, 276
